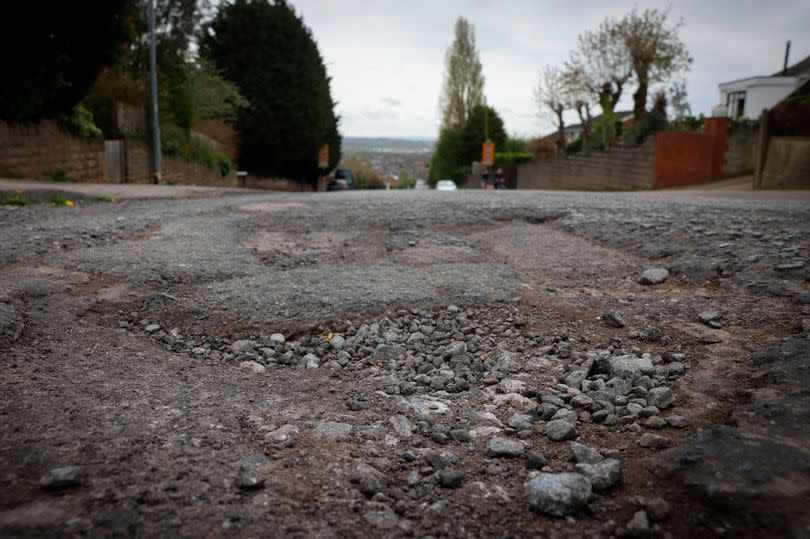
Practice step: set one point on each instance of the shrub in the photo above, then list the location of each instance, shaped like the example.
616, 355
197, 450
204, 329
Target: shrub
541, 148
79, 121
652, 122
573, 147
17, 199
504, 159
61, 175
225, 165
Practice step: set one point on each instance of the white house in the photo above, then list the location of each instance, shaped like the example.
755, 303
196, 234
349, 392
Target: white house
745, 98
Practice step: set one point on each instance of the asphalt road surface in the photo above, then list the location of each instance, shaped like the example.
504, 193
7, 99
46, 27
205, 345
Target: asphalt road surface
485, 364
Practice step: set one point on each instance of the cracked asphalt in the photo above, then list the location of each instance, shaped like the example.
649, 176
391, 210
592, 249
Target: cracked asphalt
406, 364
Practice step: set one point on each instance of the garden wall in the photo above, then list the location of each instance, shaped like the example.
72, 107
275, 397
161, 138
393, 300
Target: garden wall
44, 151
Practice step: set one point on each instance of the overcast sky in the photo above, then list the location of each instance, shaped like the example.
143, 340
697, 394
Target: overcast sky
386, 58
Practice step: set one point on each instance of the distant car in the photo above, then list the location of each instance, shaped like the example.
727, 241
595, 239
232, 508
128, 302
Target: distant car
338, 185
446, 185
345, 174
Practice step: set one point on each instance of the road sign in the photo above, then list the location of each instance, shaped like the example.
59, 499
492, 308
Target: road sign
323, 156
488, 154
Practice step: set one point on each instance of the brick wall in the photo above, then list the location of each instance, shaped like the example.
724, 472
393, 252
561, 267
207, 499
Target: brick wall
690, 158
620, 168
39, 151
173, 169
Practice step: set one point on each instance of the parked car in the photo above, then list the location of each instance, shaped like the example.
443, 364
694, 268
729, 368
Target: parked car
345, 174
338, 185
446, 185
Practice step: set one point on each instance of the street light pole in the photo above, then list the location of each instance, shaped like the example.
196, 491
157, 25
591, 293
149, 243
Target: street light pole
153, 75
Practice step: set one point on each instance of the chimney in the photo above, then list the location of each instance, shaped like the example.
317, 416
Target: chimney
787, 55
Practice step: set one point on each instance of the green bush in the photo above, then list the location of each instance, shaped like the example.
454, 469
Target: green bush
225, 165
79, 121
506, 159
448, 158
15, 200
573, 147
61, 175
652, 122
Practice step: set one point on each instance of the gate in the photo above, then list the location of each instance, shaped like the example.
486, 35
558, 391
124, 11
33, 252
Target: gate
114, 161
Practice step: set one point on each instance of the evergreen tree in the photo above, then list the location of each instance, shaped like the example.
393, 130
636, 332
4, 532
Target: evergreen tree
268, 52
473, 135
463, 81
52, 52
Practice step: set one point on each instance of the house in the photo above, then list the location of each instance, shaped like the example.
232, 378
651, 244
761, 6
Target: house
574, 131
746, 98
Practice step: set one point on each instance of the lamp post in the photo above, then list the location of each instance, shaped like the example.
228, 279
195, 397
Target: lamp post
153, 75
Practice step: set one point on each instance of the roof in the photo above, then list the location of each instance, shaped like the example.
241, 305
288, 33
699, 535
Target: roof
800, 68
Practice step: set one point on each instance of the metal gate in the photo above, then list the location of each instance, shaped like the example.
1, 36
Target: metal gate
114, 160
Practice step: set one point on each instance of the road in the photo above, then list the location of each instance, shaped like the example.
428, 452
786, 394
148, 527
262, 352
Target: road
406, 364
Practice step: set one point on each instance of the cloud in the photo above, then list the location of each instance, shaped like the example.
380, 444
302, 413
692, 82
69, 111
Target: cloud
387, 77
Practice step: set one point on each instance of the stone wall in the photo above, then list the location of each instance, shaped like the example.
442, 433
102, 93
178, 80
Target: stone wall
173, 169
619, 169
43, 150
741, 151
787, 165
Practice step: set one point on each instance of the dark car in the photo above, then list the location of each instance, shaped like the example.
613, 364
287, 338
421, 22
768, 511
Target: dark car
345, 174
338, 185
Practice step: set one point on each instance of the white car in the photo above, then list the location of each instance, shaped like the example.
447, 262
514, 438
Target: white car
446, 185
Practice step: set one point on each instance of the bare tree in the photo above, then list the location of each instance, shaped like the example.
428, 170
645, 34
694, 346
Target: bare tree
552, 97
463, 81
601, 64
656, 51
581, 98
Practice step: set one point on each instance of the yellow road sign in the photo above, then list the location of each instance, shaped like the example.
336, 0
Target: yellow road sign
488, 154
323, 156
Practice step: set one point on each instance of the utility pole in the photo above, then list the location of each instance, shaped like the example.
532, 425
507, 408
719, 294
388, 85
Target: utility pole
153, 75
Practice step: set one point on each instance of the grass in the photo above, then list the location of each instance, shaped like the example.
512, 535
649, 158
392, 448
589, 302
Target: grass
17, 199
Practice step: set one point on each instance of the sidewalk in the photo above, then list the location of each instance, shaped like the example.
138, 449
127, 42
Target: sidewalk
42, 190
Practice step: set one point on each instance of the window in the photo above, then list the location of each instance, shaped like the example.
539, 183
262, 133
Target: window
735, 101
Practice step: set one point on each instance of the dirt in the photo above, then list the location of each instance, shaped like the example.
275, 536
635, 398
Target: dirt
163, 435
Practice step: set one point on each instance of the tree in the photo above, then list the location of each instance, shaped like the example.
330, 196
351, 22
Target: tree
581, 98
268, 52
463, 81
51, 57
552, 98
214, 97
483, 122
600, 65
447, 161
656, 51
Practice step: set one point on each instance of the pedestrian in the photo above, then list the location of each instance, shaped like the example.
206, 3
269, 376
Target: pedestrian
485, 179
499, 181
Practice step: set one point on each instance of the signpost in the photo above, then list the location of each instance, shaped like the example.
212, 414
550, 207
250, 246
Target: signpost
323, 156
488, 153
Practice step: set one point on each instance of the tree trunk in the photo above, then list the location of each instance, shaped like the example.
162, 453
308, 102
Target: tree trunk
560, 132
640, 99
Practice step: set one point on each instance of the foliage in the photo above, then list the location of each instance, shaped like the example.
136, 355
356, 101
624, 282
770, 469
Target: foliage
448, 160
656, 51
17, 199
573, 147
505, 159
214, 97
605, 131
514, 145
653, 121
178, 142
61, 175
52, 53
678, 100
600, 66
79, 121
741, 124
541, 148
463, 82
268, 52
365, 177
473, 134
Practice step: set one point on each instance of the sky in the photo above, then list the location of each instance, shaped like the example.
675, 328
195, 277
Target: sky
386, 57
